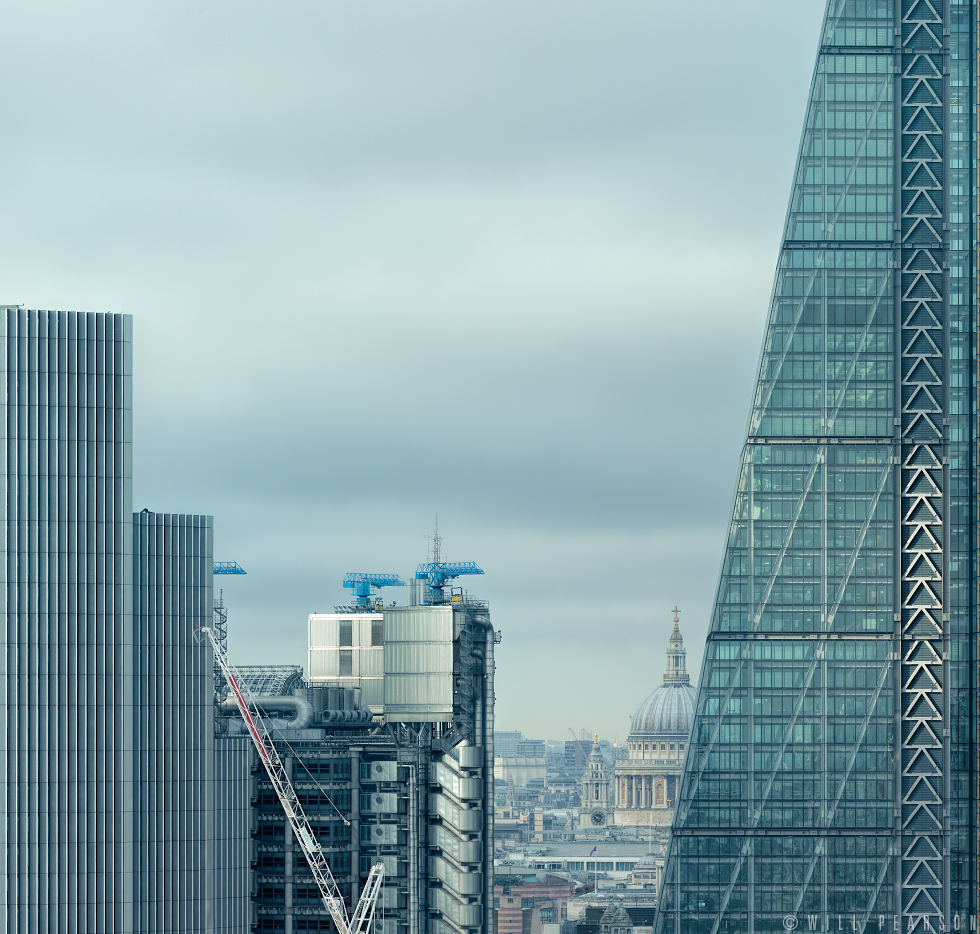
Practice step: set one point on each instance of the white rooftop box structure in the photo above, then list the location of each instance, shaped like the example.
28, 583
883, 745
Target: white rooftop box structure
401, 659
418, 664
345, 649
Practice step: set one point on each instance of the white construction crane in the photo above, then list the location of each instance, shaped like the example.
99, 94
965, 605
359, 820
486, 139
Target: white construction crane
332, 899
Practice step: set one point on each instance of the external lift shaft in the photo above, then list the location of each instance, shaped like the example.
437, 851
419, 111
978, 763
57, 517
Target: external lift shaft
329, 892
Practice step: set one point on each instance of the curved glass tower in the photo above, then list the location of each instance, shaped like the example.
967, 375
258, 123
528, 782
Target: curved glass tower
830, 779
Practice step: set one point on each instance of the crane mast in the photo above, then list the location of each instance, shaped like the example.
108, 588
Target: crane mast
329, 892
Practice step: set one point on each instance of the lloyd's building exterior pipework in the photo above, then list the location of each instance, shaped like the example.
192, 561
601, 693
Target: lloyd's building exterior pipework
389, 744
831, 781
106, 726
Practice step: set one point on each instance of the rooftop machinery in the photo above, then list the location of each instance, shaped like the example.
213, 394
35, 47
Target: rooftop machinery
329, 892
440, 573
367, 585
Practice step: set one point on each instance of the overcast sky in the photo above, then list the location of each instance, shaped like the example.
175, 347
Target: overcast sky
508, 262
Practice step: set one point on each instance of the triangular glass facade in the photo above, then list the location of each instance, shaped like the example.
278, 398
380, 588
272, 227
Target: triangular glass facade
829, 780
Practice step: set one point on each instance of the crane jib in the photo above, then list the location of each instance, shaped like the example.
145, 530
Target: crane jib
247, 717
309, 844
332, 900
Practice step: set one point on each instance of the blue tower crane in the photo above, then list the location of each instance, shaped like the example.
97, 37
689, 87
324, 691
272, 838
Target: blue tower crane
440, 573
228, 567
366, 585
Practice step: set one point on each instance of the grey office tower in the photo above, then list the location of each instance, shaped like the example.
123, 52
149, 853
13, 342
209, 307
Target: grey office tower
102, 697
174, 733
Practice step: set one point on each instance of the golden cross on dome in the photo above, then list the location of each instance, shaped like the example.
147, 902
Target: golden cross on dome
675, 611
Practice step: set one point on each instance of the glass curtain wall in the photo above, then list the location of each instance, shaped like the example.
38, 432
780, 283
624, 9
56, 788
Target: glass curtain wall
828, 780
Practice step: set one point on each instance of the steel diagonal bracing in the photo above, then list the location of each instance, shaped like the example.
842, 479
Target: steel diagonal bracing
974, 346
788, 537
852, 558
882, 872
819, 655
787, 343
922, 863
833, 19
882, 482
832, 810
733, 681
852, 363
766, 394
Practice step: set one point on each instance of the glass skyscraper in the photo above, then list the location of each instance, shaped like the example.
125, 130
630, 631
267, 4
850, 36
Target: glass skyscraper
830, 781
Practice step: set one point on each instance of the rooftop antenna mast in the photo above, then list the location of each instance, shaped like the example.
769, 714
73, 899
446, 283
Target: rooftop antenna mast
220, 610
219, 621
439, 573
436, 544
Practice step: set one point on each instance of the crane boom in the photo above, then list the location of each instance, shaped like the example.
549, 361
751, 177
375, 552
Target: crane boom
329, 892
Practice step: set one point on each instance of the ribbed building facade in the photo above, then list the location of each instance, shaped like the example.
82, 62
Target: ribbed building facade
67, 828
174, 766
105, 733
232, 839
830, 782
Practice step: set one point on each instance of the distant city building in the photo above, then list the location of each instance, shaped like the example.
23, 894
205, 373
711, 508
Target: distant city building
611, 859
532, 749
615, 920
576, 754
519, 761
529, 905
646, 782
522, 769
505, 742
617, 914
648, 870
564, 787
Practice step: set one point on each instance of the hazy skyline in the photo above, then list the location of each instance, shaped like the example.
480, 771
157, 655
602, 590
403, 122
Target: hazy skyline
506, 263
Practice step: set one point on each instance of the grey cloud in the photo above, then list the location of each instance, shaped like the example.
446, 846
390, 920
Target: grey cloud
509, 262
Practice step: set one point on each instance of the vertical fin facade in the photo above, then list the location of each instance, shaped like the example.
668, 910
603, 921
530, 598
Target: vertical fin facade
828, 780
174, 772
66, 826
